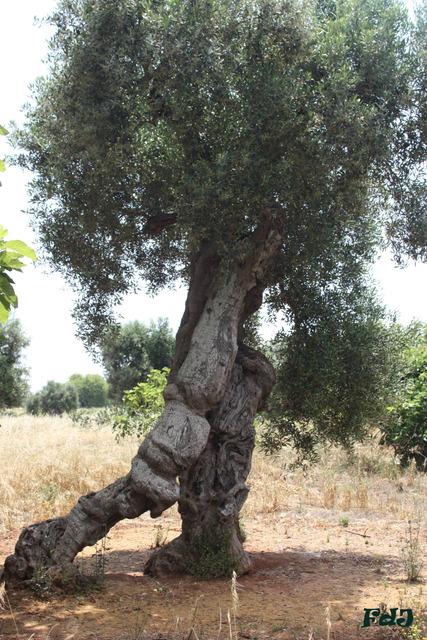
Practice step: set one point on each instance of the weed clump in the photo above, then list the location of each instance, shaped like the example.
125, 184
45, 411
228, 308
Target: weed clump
411, 552
40, 583
210, 555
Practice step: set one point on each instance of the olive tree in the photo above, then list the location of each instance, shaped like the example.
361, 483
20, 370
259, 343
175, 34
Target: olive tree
259, 151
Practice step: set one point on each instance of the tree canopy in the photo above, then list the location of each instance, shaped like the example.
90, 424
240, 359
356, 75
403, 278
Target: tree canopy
163, 124
92, 389
335, 379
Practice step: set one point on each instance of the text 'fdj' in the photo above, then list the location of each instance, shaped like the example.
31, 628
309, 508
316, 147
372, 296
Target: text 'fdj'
385, 618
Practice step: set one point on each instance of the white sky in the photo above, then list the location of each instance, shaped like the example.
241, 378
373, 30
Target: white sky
45, 301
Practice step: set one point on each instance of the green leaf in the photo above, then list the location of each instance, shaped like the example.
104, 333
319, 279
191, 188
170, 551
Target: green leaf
5, 285
3, 131
2, 166
4, 313
4, 300
10, 261
21, 248
8, 278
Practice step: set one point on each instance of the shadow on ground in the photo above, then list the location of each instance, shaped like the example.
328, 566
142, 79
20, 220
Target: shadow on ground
285, 596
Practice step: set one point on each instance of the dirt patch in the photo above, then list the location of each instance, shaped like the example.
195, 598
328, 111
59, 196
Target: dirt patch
307, 568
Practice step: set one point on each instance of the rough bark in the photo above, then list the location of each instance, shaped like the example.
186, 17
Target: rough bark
213, 490
206, 354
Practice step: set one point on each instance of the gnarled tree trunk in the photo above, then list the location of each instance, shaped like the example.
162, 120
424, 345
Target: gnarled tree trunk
213, 490
198, 390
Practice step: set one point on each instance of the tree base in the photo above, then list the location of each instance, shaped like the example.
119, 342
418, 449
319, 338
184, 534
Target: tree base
211, 555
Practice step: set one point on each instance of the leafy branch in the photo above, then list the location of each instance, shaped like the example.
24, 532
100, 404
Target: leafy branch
12, 254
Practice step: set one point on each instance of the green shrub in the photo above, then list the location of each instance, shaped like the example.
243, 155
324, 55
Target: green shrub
94, 418
210, 555
34, 405
406, 428
142, 405
12, 258
54, 399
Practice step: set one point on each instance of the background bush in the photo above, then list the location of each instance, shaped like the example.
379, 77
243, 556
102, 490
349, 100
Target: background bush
142, 405
92, 389
406, 428
54, 399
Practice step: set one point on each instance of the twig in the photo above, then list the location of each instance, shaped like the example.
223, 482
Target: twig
362, 535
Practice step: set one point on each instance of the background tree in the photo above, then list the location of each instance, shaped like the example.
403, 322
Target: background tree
92, 389
406, 428
258, 150
130, 351
54, 399
160, 344
13, 373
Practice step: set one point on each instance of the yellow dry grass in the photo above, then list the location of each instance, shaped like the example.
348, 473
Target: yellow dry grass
366, 482
47, 463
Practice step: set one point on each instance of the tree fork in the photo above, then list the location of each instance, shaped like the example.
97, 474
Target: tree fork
205, 359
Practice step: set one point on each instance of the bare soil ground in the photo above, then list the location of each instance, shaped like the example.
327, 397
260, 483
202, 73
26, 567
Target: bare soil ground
312, 576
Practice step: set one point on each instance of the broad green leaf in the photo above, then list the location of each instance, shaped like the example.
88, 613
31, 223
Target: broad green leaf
22, 248
4, 300
12, 299
6, 286
3, 131
2, 165
8, 299
8, 278
4, 313
10, 261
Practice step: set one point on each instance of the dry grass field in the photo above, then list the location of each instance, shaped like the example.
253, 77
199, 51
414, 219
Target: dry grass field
327, 541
